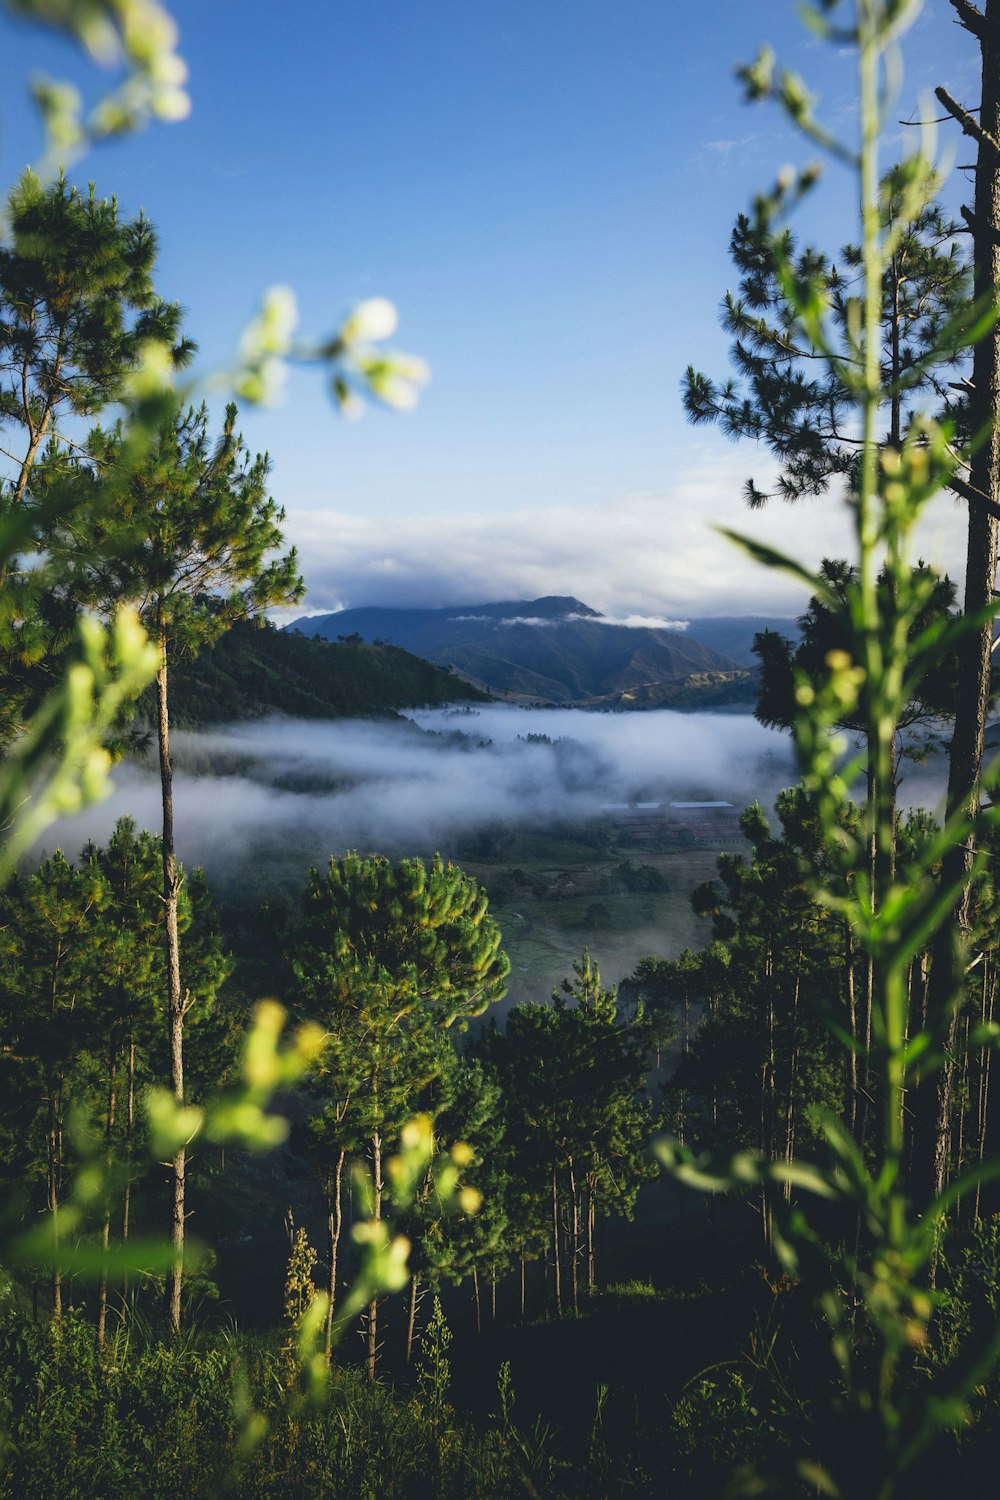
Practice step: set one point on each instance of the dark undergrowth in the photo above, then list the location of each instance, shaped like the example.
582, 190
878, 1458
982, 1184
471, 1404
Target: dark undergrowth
686, 1392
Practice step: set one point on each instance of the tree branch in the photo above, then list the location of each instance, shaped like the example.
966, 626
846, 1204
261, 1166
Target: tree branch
969, 125
964, 489
971, 17
991, 235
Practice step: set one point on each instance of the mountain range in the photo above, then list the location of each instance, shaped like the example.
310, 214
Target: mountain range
558, 650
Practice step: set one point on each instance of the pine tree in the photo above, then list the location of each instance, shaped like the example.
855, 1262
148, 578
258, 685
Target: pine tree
578, 1121
450, 1243
761, 1062
387, 956
50, 983
77, 304
189, 546
786, 395
825, 626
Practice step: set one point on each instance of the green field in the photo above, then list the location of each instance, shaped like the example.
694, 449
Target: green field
556, 893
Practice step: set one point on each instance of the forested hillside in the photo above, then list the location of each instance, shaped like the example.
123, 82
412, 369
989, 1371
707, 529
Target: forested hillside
255, 669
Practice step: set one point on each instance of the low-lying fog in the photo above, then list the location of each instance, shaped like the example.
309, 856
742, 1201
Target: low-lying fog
305, 789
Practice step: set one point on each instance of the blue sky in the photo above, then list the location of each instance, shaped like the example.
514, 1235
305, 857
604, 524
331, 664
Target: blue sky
546, 192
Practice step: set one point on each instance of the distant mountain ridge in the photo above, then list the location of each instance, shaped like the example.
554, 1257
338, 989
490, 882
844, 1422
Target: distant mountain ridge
555, 649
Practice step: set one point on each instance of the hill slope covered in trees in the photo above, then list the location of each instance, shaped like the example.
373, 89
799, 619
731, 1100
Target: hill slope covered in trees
256, 669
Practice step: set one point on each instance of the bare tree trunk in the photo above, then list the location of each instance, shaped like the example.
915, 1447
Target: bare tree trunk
129, 1151
102, 1294
52, 1151
412, 1316
334, 1224
376, 1215
965, 1095
591, 1211
36, 432
574, 1241
851, 1091
985, 1054
522, 1286
767, 1095
555, 1245
475, 1293
54, 1144
175, 1003
792, 1071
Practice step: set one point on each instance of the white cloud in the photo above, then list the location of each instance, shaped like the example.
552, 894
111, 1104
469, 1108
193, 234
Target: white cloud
636, 622
652, 554
540, 620
630, 621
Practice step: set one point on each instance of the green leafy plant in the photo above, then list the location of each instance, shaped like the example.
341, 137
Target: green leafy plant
873, 1273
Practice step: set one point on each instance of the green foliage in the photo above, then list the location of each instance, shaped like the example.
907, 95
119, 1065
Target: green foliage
77, 305
577, 1120
158, 1420
191, 532
825, 627
299, 1286
434, 1370
789, 391
60, 762
77, 311
875, 1296
409, 943
386, 957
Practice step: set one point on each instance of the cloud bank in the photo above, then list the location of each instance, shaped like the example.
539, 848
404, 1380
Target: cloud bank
298, 791
656, 555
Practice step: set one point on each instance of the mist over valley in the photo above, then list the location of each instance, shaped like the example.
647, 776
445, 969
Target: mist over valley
417, 784
538, 804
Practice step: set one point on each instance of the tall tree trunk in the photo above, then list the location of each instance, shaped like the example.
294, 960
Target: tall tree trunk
334, 1224
851, 1081
475, 1293
102, 1293
985, 1054
52, 1152
53, 1138
36, 431
412, 1315
965, 1096
129, 1153
767, 1096
175, 1003
522, 1286
376, 1215
792, 1072
975, 649
574, 1239
555, 1244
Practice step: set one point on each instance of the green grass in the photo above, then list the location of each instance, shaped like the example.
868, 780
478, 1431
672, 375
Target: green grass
566, 906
